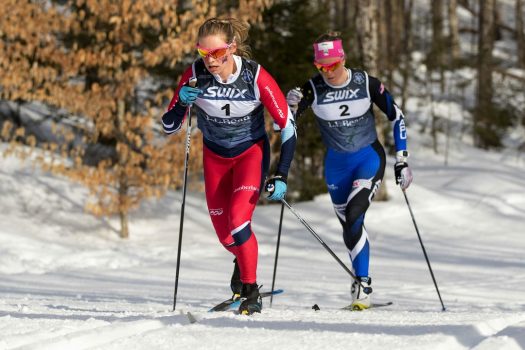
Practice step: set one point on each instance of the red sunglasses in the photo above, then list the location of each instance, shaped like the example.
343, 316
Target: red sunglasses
330, 67
214, 53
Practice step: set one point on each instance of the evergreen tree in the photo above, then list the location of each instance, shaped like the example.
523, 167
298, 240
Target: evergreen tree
282, 43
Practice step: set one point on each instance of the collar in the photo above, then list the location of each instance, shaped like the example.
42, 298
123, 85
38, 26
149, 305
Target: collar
346, 82
238, 64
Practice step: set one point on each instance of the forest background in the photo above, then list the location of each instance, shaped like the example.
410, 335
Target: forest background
83, 83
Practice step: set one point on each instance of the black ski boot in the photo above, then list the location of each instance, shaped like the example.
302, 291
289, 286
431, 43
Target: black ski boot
251, 300
236, 283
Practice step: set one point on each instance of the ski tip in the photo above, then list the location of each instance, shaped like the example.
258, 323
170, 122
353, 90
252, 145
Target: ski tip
270, 293
388, 303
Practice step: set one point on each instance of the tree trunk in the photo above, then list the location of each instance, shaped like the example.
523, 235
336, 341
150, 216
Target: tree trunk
520, 35
337, 20
122, 180
124, 229
345, 15
454, 31
391, 39
367, 33
396, 36
482, 128
437, 50
367, 17
407, 53
433, 116
438, 45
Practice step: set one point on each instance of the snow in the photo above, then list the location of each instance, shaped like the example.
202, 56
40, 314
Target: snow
68, 282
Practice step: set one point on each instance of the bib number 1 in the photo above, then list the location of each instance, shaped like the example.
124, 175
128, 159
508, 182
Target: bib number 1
226, 109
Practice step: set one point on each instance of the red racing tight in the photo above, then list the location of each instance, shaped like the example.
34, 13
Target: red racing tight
232, 188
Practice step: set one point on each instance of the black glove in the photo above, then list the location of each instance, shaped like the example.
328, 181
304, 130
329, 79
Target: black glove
403, 174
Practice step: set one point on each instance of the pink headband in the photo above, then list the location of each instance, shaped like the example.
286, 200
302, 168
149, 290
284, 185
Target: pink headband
328, 49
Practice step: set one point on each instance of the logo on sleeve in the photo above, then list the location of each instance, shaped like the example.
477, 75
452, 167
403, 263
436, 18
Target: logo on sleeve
216, 212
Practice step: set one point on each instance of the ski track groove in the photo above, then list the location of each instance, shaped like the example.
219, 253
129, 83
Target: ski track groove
493, 329
98, 336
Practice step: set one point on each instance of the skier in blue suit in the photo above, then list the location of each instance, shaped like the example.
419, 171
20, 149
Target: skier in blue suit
342, 100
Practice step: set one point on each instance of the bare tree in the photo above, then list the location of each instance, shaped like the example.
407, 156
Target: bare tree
409, 41
485, 90
520, 35
367, 34
367, 17
437, 50
454, 30
438, 42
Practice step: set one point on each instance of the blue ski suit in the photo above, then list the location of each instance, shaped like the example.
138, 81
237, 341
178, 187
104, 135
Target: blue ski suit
355, 160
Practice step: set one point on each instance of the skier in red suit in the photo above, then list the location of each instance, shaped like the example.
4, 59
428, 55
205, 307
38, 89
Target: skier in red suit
229, 100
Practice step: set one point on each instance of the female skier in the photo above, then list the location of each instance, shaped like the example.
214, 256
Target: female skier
229, 101
341, 99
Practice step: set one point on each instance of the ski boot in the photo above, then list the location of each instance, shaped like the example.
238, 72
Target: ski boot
236, 283
251, 300
361, 291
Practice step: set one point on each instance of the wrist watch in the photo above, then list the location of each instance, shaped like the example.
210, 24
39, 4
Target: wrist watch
401, 156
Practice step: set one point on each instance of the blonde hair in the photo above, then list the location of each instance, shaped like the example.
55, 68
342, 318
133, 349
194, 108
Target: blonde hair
232, 29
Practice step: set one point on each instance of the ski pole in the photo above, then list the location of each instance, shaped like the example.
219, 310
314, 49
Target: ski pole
277, 252
192, 83
322, 243
424, 251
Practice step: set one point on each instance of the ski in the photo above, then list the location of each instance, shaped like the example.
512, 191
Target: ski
350, 308
372, 306
230, 304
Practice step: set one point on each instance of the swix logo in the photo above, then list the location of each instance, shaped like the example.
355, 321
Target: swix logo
224, 92
340, 95
216, 212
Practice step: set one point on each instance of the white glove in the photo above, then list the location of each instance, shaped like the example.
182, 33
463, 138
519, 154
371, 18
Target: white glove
293, 97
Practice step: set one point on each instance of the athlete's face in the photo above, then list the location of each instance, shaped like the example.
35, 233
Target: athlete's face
332, 69
217, 54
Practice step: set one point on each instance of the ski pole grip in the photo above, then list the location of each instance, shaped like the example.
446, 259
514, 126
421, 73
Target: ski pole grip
270, 183
192, 82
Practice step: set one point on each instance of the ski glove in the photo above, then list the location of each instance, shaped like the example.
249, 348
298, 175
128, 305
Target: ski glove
276, 185
403, 174
188, 95
293, 97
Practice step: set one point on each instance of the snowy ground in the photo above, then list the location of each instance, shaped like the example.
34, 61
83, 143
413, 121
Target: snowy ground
68, 282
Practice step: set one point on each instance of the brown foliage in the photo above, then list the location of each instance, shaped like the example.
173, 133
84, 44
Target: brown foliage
91, 58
